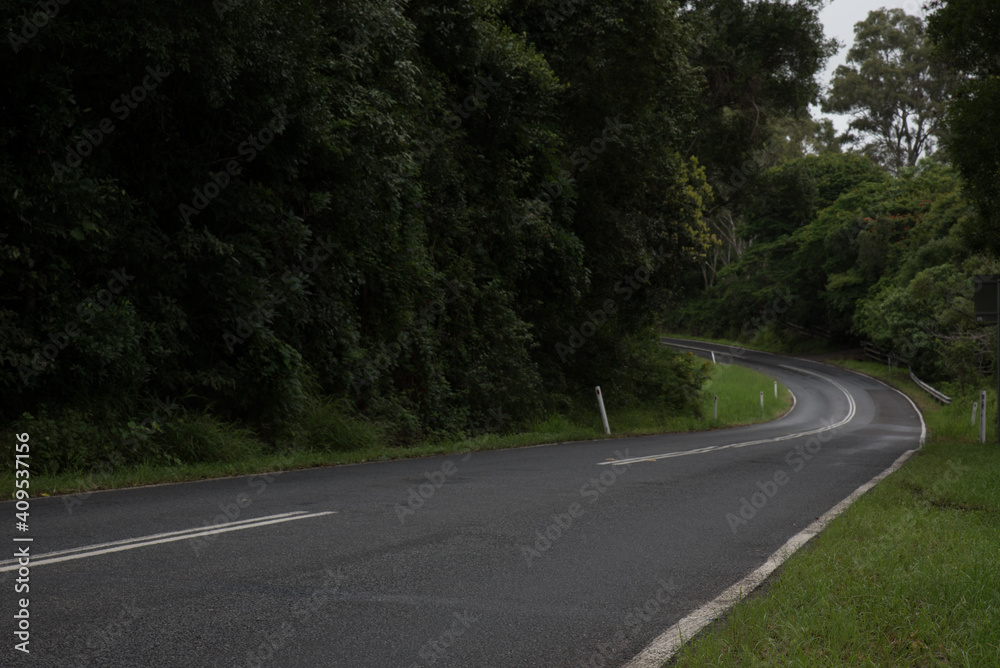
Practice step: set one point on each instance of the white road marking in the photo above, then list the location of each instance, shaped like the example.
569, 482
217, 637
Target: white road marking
664, 647
126, 541
789, 411
923, 425
852, 409
157, 539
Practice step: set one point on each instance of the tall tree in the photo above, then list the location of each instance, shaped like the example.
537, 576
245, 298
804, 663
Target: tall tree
965, 33
625, 183
758, 63
893, 88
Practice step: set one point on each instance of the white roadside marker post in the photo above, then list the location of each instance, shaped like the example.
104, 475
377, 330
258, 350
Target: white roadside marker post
775, 389
604, 415
982, 415
713, 357
986, 304
762, 400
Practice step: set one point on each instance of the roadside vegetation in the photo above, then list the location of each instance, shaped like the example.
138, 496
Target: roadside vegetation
238, 230
882, 242
902, 578
329, 435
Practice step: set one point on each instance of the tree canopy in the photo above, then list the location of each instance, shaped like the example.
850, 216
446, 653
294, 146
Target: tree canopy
413, 209
965, 33
893, 88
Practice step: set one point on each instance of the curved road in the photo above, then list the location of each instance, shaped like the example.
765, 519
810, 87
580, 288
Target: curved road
577, 554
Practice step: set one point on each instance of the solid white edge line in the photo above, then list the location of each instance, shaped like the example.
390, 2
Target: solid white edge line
38, 561
664, 646
923, 425
141, 539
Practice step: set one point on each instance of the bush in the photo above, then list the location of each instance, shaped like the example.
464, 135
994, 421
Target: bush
651, 374
190, 439
329, 426
71, 440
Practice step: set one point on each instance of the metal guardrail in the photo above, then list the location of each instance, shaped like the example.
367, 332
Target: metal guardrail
940, 396
874, 352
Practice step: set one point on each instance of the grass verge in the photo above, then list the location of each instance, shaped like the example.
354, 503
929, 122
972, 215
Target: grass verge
329, 440
904, 577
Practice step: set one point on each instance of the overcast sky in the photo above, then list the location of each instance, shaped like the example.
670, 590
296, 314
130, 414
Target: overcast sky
839, 18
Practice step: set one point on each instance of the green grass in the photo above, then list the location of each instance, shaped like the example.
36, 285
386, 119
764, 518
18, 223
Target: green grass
907, 576
327, 436
738, 389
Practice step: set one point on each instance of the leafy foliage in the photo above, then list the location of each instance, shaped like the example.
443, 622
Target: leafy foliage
758, 60
965, 33
893, 88
888, 260
362, 213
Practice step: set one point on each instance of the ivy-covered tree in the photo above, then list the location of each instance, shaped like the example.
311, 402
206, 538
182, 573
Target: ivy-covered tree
409, 209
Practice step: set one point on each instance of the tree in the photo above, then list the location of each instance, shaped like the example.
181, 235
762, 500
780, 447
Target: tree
798, 136
624, 183
965, 33
894, 89
758, 63
929, 320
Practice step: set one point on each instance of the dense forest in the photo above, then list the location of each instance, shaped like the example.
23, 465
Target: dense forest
453, 217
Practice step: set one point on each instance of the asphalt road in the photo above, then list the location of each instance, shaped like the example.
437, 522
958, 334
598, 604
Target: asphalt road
546, 556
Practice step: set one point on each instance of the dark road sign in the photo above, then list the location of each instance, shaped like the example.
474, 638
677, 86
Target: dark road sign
985, 298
